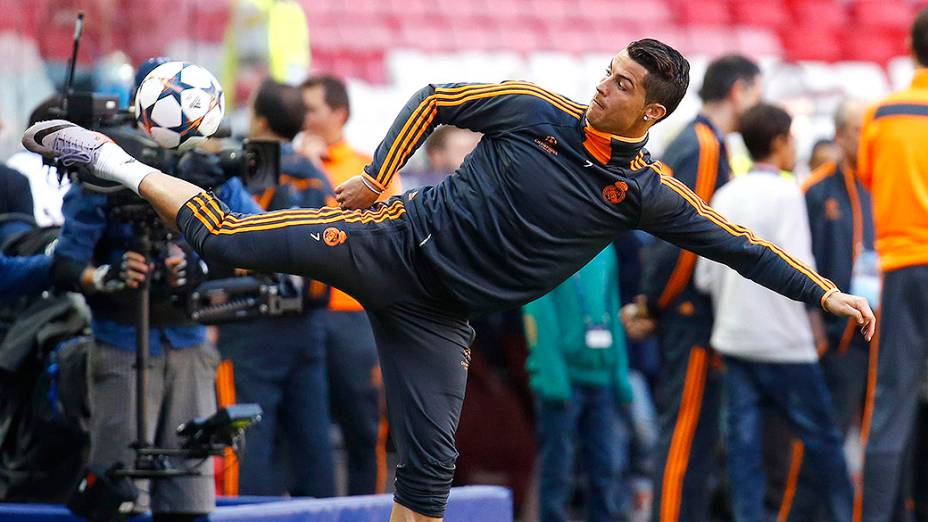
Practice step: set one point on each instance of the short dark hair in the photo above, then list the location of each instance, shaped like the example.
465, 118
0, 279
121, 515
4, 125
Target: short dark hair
722, 74
920, 36
334, 90
282, 106
760, 125
668, 72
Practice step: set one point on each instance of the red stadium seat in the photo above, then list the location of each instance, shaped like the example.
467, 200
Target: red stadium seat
896, 16
809, 42
757, 42
873, 46
764, 13
710, 41
822, 13
704, 12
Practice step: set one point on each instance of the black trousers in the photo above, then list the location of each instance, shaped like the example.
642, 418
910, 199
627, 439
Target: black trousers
422, 335
688, 401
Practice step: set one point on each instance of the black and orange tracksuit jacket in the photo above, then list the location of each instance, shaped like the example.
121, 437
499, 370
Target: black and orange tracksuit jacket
841, 225
539, 197
696, 158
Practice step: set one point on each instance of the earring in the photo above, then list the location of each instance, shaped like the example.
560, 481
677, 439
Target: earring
645, 118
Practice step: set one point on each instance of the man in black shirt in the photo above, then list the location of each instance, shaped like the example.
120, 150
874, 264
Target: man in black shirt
548, 187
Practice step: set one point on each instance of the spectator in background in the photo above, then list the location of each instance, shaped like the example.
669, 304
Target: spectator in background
47, 191
445, 150
771, 361
16, 211
579, 373
893, 163
688, 388
841, 224
351, 354
279, 362
824, 151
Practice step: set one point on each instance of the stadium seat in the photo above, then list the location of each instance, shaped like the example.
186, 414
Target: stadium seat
710, 41
808, 42
822, 13
758, 42
704, 12
765, 13
873, 46
894, 16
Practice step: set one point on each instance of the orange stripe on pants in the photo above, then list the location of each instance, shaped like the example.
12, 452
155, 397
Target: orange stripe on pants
789, 492
683, 432
225, 395
867, 416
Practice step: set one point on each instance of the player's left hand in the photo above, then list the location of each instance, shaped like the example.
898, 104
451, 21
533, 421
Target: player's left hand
355, 194
846, 305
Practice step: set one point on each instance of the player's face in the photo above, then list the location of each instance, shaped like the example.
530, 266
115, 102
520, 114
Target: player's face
618, 107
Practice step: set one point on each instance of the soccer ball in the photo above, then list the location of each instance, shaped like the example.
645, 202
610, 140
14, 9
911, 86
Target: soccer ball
179, 105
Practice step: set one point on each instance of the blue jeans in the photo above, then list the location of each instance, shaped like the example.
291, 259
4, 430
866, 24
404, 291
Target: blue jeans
798, 392
591, 418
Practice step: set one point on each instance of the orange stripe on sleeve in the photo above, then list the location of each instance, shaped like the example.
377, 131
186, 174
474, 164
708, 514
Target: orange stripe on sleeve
737, 230
457, 96
196, 213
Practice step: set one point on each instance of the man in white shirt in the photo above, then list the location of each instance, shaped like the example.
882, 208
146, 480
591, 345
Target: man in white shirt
767, 339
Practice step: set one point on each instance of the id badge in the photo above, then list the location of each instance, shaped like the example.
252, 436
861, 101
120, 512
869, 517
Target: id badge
598, 338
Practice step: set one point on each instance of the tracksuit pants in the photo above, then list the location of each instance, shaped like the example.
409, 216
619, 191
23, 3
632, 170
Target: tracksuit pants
688, 400
897, 371
422, 333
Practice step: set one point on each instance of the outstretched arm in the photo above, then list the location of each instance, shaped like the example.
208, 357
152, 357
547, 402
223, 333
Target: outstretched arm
672, 212
489, 108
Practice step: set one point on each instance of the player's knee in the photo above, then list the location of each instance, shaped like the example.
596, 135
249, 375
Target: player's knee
424, 487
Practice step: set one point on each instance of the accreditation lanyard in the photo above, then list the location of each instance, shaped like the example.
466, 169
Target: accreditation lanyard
598, 335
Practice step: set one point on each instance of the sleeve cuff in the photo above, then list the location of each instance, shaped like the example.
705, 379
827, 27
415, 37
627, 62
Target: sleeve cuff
825, 296
372, 183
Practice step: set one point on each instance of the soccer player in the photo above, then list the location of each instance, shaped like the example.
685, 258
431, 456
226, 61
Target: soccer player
893, 163
689, 383
548, 187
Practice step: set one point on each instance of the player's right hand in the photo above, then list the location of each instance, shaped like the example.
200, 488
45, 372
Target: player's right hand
857, 308
356, 193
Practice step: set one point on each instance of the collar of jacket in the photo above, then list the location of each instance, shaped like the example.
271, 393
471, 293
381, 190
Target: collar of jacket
611, 149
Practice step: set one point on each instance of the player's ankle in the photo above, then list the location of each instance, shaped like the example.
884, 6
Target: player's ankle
117, 165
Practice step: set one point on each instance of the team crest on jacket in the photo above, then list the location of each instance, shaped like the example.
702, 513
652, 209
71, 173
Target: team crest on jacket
333, 236
832, 209
615, 193
548, 144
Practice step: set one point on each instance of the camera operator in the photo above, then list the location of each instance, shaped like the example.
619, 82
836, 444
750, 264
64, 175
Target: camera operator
98, 255
277, 363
